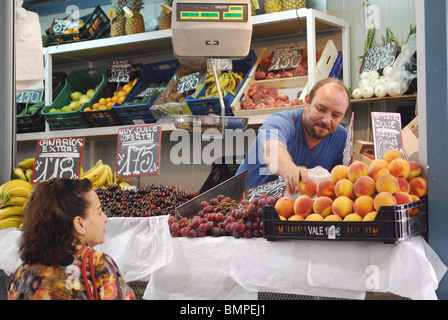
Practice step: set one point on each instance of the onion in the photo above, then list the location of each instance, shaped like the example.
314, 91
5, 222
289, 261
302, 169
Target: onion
364, 75
384, 80
393, 88
364, 83
387, 71
380, 91
375, 83
367, 92
357, 93
373, 75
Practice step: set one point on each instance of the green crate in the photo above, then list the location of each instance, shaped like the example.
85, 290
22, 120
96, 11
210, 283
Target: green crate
80, 80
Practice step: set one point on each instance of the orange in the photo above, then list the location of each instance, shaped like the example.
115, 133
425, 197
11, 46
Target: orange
128, 89
96, 106
126, 86
134, 81
109, 105
121, 100
121, 94
104, 107
102, 101
109, 99
115, 99
88, 109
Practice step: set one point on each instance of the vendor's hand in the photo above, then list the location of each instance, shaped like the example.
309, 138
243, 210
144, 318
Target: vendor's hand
293, 177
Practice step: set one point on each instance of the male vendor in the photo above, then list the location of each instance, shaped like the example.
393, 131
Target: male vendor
291, 142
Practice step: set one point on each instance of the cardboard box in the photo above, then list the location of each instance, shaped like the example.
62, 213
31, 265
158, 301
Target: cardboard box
409, 137
363, 151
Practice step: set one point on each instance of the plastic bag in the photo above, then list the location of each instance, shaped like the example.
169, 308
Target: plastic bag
405, 67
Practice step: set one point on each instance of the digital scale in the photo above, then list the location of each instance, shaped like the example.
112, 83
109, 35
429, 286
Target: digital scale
212, 29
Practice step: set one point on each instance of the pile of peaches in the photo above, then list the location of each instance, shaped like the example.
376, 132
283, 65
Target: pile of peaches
356, 192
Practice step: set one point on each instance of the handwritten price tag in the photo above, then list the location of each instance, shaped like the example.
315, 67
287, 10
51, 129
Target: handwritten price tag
60, 25
120, 71
30, 96
286, 58
220, 64
188, 83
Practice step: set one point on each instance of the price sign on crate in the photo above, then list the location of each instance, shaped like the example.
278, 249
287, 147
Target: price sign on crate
386, 128
138, 150
379, 57
188, 83
58, 158
286, 58
120, 71
220, 64
60, 25
30, 96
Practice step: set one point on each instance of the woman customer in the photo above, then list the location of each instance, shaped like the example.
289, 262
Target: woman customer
63, 221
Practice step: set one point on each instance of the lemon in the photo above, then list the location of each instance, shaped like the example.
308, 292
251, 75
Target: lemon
90, 93
76, 95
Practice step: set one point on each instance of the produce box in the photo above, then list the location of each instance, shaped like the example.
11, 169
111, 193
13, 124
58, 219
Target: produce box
391, 225
77, 81
136, 105
290, 86
409, 136
363, 151
91, 26
205, 106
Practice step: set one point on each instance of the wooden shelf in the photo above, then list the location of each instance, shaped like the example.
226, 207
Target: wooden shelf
385, 99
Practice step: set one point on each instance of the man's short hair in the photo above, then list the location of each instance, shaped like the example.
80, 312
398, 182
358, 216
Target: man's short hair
323, 82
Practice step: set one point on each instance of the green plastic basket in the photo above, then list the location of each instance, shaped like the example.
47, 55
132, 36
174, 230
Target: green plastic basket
80, 80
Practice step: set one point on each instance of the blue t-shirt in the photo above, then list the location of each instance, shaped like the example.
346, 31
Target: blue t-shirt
286, 126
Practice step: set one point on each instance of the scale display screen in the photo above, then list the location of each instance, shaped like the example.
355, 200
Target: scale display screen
189, 12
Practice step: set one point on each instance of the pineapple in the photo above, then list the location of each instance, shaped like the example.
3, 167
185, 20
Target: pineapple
271, 6
165, 17
117, 25
293, 4
135, 23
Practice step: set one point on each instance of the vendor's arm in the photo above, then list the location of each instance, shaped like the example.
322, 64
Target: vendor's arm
279, 162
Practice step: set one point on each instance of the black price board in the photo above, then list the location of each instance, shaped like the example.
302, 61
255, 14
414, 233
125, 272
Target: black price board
286, 58
386, 132
220, 64
120, 71
274, 188
60, 25
138, 150
30, 96
379, 57
58, 158
188, 83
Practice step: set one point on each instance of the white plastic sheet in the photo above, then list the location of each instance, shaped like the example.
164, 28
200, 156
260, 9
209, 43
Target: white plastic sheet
9, 250
139, 246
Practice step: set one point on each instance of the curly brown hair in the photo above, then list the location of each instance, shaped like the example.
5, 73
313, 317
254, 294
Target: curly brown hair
48, 232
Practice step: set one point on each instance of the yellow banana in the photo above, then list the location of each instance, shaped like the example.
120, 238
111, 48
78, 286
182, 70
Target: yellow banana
27, 163
123, 185
10, 211
239, 79
14, 201
29, 175
110, 176
20, 174
98, 163
17, 192
93, 175
11, 222
13, 184
102, 178
232, 84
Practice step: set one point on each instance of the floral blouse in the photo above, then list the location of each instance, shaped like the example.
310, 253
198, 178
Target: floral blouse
38, 282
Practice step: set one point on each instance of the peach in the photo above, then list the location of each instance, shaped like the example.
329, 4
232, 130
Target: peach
388, 183
357, 169
308, 188
402, 197
303, 206
363, 205
314, 217
338, 173
322, 206
333, 217
384, 199
353, 217
284, 207
403, 184
399, 168
325, 188
391, 155
296, 217
378, 162
378, 171
418, 186
370, 216
415, 171
414, 211
344, 187
342, 206
364, 186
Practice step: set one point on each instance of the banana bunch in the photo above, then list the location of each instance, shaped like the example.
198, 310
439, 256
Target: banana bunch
100, 175
13, 197
228, 82
25, 169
